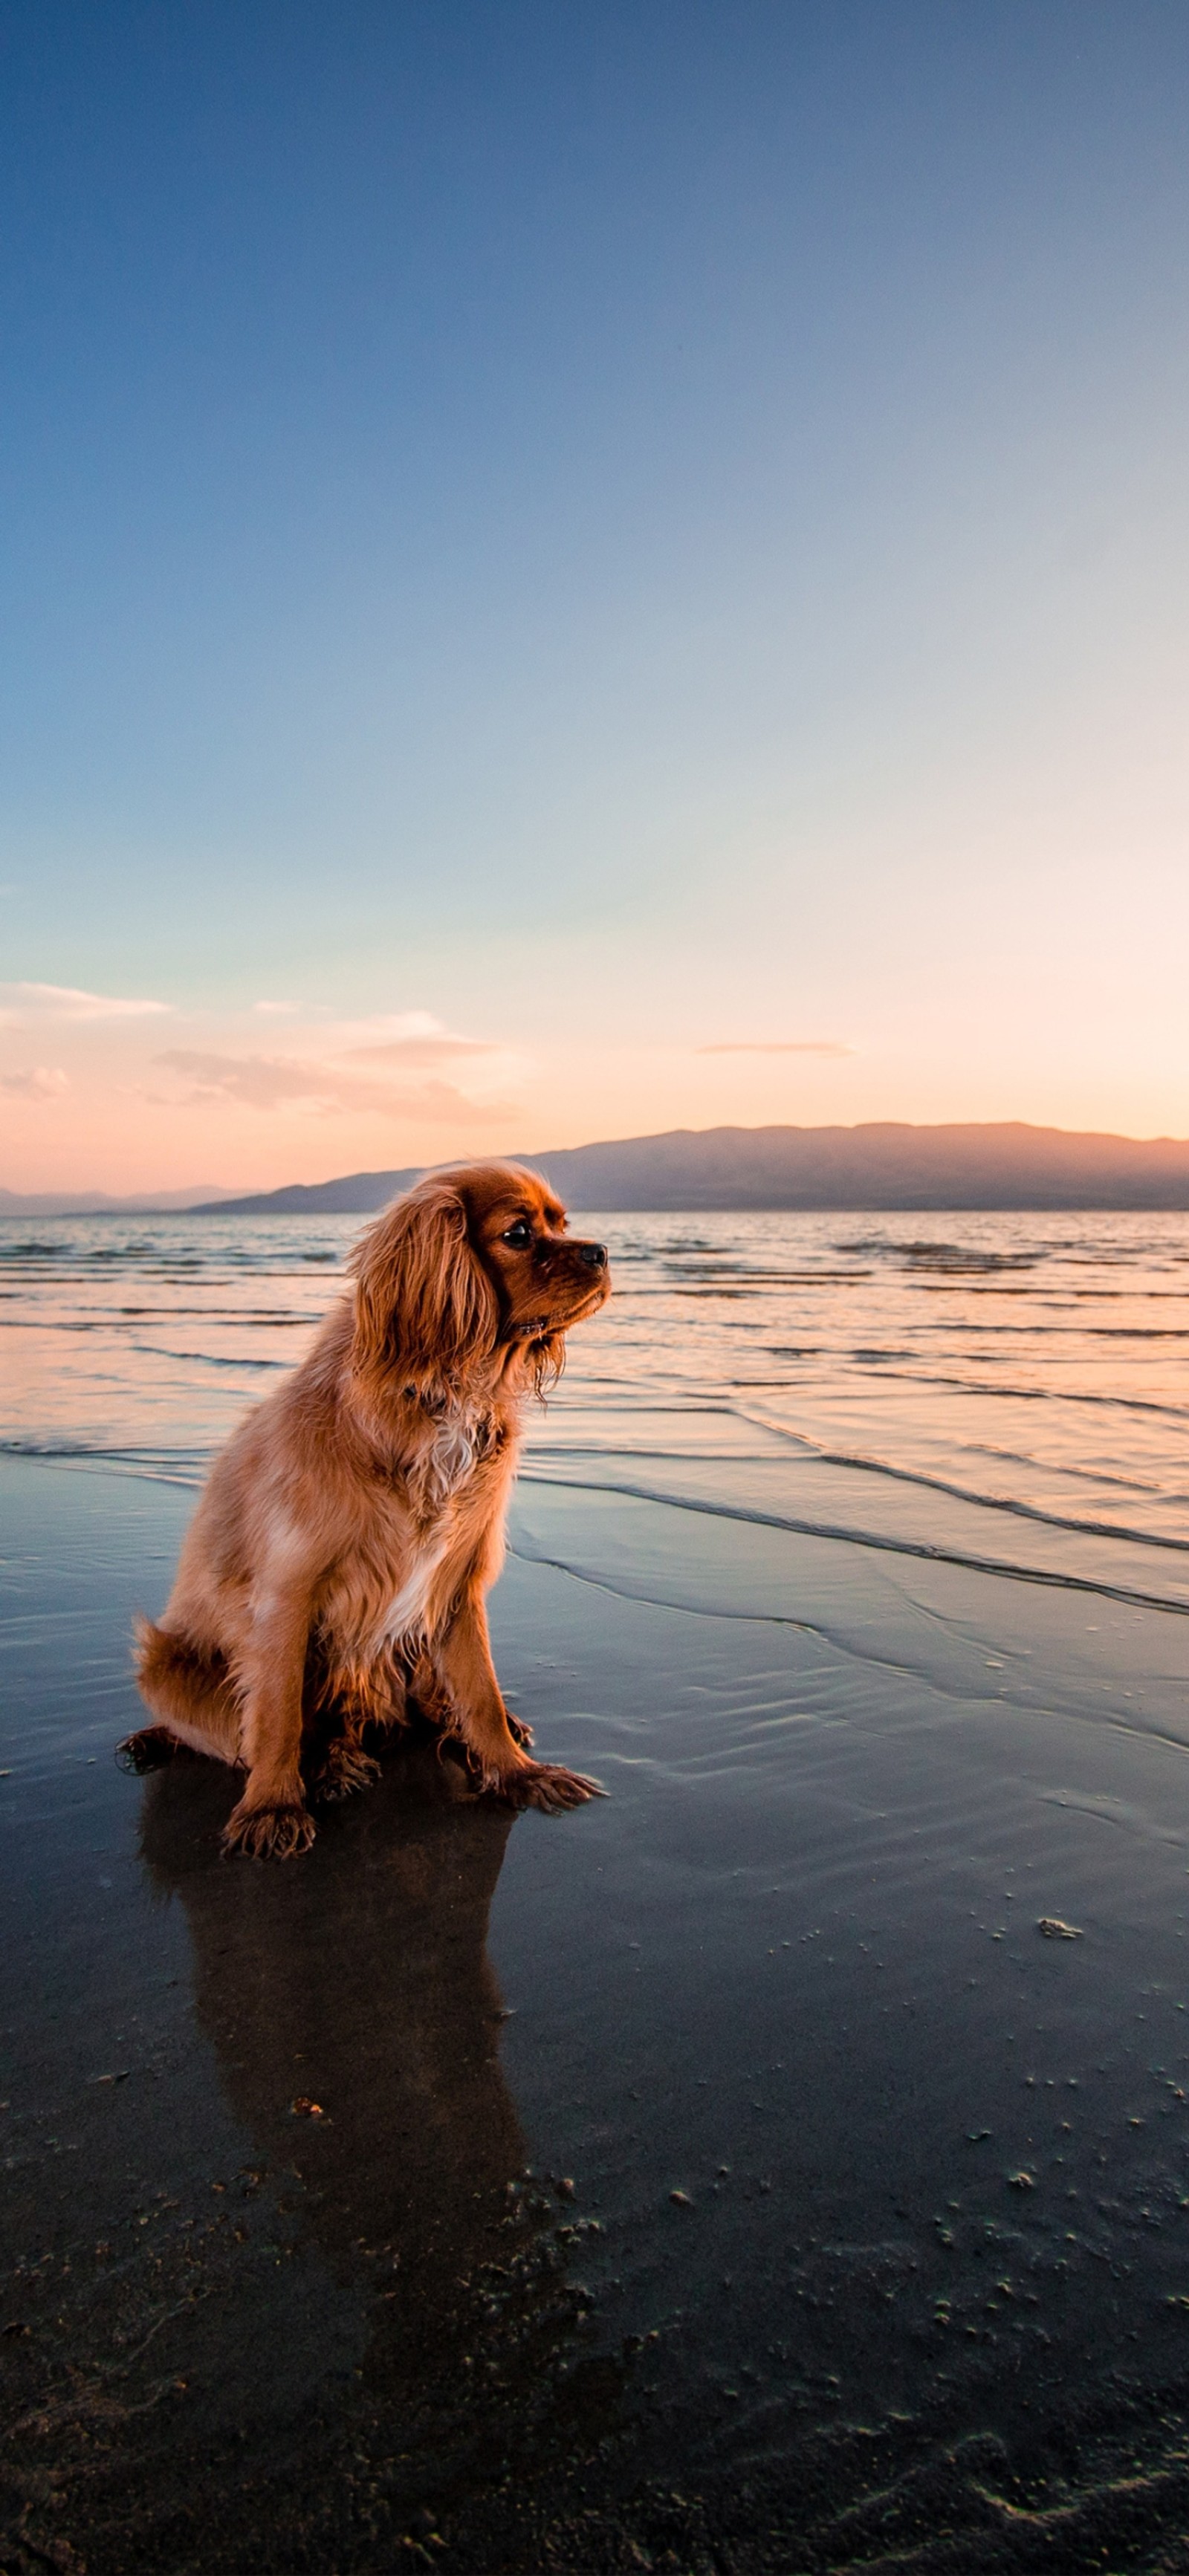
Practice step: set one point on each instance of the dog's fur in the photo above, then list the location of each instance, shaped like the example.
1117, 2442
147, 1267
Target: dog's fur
350, 1529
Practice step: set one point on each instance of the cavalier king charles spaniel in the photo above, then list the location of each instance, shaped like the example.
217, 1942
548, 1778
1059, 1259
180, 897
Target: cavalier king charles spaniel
339, 1557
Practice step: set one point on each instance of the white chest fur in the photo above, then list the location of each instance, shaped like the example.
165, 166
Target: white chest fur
459, 1441
404, 1619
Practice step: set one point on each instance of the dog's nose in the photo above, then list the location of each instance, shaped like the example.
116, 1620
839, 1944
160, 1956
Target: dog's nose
593, 1254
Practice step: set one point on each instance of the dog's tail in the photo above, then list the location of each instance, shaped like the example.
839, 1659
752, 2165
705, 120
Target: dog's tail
181, 1682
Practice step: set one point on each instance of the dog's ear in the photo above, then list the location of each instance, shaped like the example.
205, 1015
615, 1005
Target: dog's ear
423, 1301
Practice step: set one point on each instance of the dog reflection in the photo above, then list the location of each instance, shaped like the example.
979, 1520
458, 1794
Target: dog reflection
361, 1984
360, 1990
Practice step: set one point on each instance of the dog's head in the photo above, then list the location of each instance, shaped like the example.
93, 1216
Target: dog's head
470, 1264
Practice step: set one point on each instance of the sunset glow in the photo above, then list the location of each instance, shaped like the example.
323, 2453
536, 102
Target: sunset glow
576, 573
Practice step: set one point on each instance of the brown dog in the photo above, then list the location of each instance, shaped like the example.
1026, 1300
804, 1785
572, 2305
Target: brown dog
353, 1524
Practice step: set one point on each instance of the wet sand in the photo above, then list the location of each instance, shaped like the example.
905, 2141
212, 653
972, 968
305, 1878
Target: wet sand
732, 2176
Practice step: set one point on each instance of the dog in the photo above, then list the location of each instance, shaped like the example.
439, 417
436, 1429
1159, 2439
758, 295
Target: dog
349, 1532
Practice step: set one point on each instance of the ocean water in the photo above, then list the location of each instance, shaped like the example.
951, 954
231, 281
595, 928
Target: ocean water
784, 2163
1024, 1366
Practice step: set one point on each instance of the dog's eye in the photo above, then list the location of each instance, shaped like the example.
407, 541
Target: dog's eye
519, 1235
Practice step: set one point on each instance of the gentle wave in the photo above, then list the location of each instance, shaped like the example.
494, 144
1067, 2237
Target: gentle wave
800, 1525
249, 1360
980, 1497
169, 1466
1037, 1394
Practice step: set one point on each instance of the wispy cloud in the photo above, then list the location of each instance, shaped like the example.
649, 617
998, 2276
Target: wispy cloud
407, 1054
44, 1082
396, 1041
20, 1003
406, 1040
327, 1090
777, 1046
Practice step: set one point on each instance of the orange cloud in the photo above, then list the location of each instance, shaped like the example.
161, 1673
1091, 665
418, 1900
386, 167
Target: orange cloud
407, 1053
44, 1082
271, 1082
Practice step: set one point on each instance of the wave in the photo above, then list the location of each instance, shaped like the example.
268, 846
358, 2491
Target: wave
206, 1359
969, 1493
943, 1256
164, 1466
1037, 1394
799, 1525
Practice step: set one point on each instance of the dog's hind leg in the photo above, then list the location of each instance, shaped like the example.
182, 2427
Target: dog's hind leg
151, 1748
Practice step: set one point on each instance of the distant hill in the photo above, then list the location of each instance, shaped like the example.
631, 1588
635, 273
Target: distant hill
358, 1195
882, 1165
100, 1203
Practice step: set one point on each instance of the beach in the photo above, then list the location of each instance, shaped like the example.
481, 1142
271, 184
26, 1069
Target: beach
783, 2163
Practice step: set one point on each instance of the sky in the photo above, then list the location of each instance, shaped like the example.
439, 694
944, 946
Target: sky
569, 570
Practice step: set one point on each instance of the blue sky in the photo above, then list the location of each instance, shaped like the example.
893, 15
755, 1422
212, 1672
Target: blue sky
555, 547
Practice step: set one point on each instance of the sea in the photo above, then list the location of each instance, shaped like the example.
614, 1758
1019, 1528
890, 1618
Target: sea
781, 2163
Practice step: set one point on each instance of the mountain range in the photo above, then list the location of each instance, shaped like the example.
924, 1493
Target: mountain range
101, 1203
885, 1164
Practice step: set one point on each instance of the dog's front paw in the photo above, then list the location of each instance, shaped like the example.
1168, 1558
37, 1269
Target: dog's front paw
544, 1785
345, 1769
269, 1833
